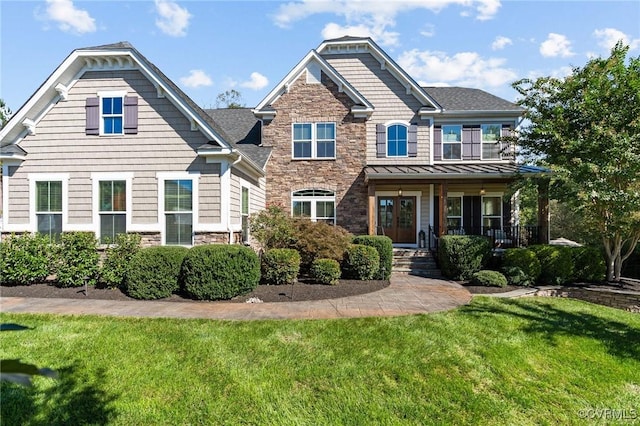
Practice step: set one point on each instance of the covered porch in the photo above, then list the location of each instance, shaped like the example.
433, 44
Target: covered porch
415, 205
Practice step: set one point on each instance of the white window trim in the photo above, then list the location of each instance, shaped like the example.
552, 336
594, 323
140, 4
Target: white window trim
386, 137
244, 184
96, 178
314, 200
110, 94
460, 196
492, 195
482, 141
194, 178
451, 143
48, 177
314, 141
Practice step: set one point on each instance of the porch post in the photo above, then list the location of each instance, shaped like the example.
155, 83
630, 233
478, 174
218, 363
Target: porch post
543, 211
372, 208
442, 225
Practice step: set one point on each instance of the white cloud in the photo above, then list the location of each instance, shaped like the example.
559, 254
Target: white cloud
373, 18
196, 78
69, 18
556, 45
501, 42
608, 37
461, 69
173, 20
429, 30
257, 82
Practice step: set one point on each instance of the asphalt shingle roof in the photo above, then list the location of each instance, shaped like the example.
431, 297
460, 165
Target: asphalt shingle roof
466, 99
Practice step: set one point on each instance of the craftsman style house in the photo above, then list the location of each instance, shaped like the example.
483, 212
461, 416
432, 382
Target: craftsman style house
109, 144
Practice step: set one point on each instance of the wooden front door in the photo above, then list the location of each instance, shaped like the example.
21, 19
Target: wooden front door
397, 218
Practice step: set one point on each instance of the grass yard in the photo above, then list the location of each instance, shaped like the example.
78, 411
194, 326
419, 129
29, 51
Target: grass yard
519, 361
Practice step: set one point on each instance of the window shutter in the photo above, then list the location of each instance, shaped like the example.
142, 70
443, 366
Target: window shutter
505, 146
130, 115
413, 141
381, 140
437, 143
92, 112
476, 143
467, 146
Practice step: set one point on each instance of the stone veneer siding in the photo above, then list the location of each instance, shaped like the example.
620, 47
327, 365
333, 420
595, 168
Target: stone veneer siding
627, 300
312, 103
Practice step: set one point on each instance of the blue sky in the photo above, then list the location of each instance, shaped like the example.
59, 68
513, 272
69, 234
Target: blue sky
208, 47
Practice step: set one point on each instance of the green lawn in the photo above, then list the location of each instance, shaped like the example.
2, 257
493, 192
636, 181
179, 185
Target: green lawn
520, 361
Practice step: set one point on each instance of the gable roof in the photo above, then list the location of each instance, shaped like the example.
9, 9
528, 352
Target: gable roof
349, 44
121, 55
362, 107
466, 99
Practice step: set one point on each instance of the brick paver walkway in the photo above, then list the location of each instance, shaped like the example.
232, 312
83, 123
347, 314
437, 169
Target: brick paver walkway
406, 295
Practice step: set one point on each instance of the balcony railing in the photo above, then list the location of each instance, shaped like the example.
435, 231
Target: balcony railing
506, 237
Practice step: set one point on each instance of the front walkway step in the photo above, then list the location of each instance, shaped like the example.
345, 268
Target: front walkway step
418, 262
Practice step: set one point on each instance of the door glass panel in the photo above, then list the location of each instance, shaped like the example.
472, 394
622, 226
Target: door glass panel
385, 212
406, 213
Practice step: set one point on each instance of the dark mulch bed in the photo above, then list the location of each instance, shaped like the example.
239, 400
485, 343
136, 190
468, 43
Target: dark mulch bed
481, 289
300, 291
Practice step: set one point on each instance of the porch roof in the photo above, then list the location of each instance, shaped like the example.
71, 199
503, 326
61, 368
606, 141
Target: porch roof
452, 171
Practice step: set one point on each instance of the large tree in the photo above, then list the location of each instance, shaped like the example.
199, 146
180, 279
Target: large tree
5, 113
586, 127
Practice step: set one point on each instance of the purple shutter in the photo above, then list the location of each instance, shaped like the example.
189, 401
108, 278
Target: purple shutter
505, 146
467, 145
92, 112
437, 144
130, 115
381, 140
476, 143
413, 140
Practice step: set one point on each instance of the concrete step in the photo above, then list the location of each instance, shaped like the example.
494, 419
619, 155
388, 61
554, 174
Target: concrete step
418, 262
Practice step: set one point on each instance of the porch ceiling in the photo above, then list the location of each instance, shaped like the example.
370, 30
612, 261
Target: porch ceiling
452, 171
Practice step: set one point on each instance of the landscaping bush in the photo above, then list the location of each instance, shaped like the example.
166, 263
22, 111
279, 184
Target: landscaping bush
555, 263
316, 240
325, 271
360, 262
213, 272
588, 264
272, 228
460, 256
516, 276
384, 246
524, 259
77, 259
154, 272
488, 278
280, 266
118, 258
25, 259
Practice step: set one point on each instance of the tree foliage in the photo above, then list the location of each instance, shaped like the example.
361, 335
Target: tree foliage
5, 113
230, 99
586, 127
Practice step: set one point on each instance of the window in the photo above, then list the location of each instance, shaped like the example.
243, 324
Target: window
454, 213
49, 208
178, 208
397, 140
316, 204
490, 141
492, 212
314, 140
112, 116
113, 210
451, 142
244, 213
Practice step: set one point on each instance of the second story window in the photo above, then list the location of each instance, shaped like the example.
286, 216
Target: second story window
451, 142
397, 140
491, 147
112, 116
314, 140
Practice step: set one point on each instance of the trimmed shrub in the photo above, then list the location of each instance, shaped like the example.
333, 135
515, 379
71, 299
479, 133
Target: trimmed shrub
588, 264
384, 246
316, 240
272, 228
25, 259
524, 259
118, 259
555, 262
216, 271
460, 256
280, 266
154, 272
488, 278
325, 271
516, 276
77, 259
360, 262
